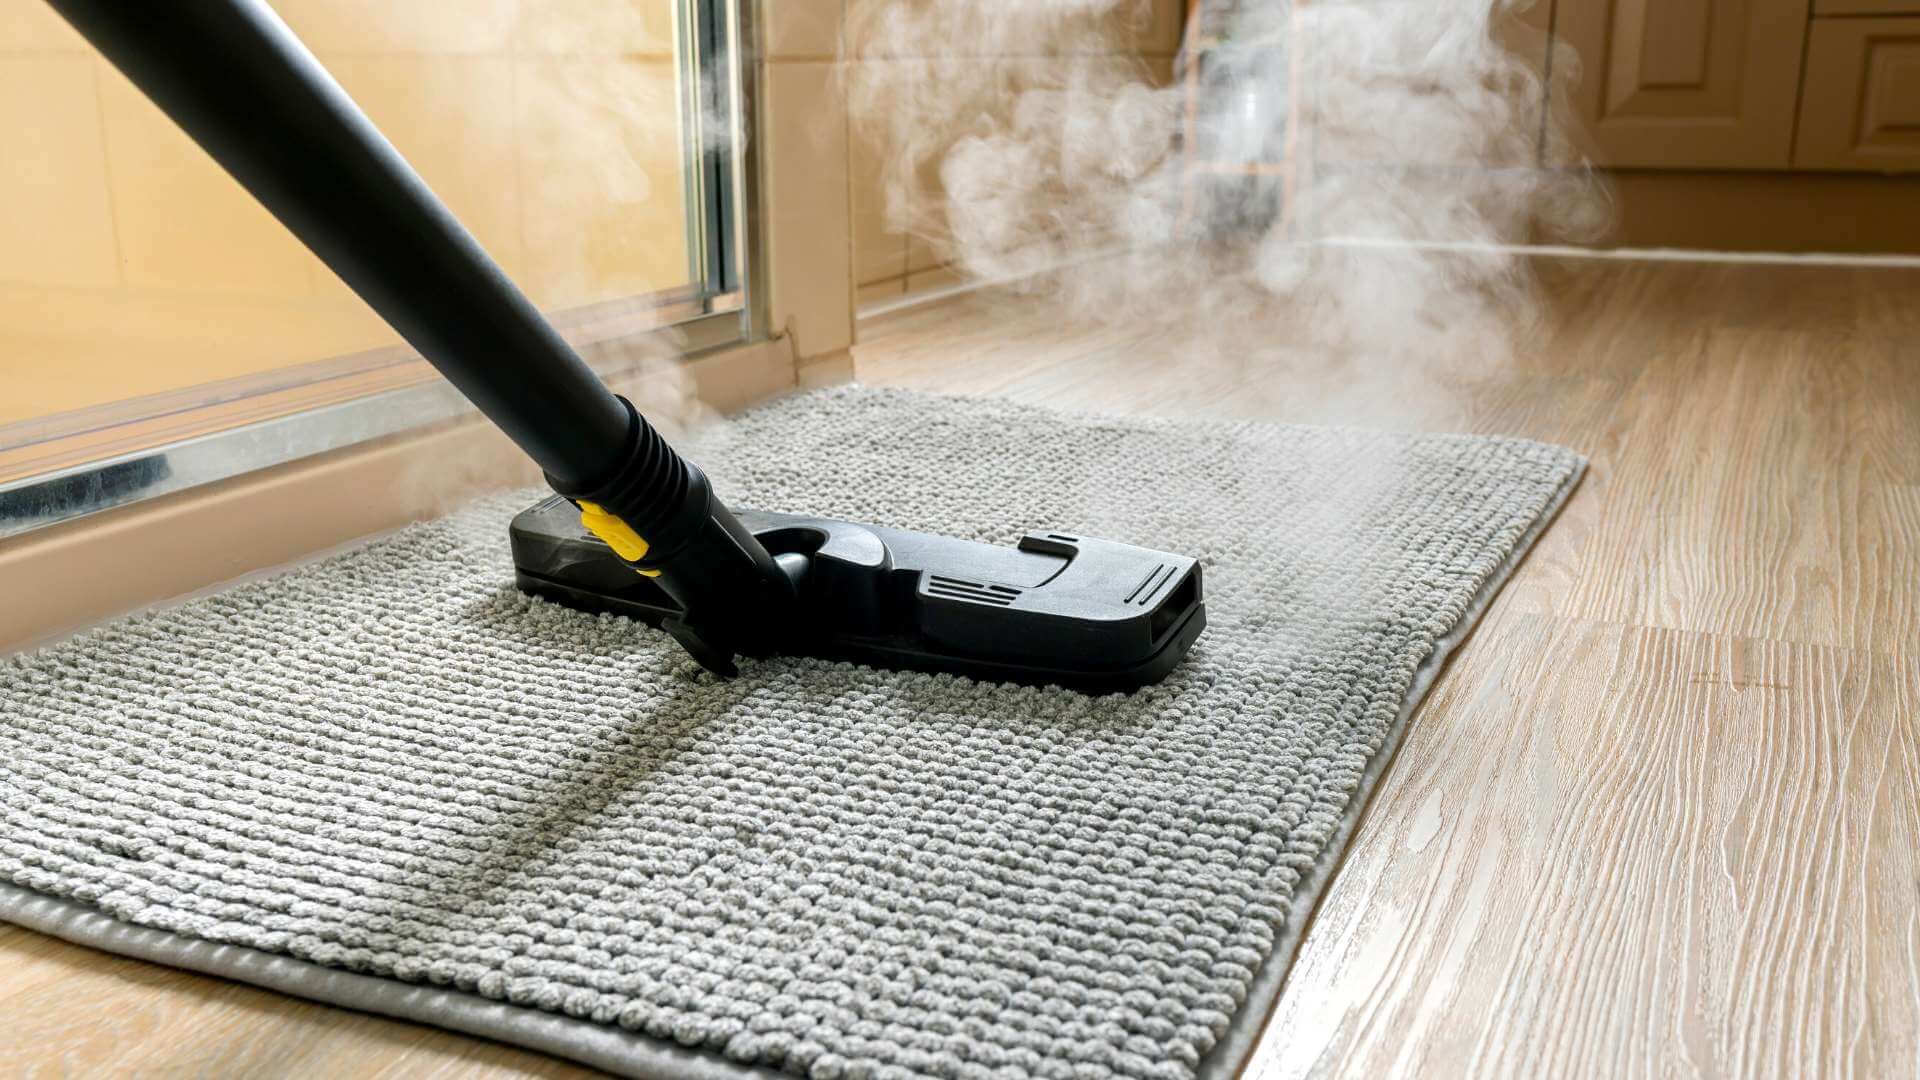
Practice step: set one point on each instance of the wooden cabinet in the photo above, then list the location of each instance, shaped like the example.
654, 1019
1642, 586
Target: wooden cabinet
1860, 108
1866, 7
1686, 83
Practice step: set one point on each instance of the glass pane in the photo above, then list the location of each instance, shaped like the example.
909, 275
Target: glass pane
145, 295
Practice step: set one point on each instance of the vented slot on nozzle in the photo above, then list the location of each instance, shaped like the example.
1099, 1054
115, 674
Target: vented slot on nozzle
1174, 606
976, 592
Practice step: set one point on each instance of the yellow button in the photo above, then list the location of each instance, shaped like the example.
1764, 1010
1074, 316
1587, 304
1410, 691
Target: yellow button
617, 533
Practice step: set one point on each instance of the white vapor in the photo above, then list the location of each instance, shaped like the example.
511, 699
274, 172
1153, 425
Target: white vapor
1373, 120
1315, 207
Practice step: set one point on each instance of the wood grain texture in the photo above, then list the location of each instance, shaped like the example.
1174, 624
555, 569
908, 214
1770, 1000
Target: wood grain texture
76, 1012
1765, 509
1660, 814
1611, 850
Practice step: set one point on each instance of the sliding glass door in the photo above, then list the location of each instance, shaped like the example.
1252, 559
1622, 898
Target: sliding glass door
159, 330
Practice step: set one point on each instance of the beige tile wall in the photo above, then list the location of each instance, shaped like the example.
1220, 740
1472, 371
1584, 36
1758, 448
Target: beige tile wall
804, 155
889, 262
54, 221
131, 264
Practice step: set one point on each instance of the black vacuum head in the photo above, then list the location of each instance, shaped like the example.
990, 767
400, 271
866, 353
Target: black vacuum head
1056, 609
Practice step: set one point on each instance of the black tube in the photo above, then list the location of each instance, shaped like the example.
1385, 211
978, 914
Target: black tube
243, 86
236, 79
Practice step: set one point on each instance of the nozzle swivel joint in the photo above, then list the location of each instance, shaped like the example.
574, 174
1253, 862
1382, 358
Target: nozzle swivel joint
734, 598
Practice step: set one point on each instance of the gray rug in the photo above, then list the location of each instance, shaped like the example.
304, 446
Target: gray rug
390, 781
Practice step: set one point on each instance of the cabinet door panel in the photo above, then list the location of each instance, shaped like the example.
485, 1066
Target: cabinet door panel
1861, 108
1866, 7
1686, 83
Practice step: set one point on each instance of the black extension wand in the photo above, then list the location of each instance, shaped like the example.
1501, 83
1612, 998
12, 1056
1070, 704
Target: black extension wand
236, 79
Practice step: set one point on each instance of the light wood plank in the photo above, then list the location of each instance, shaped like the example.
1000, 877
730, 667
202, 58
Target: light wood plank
1751, 495
1609, 850
76, 1012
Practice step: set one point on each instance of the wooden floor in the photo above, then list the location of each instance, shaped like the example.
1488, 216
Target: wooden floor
1661, 814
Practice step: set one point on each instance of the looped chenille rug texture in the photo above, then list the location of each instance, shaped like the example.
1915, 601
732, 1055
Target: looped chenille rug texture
390, 780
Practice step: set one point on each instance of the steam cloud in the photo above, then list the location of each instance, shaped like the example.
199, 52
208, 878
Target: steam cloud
1356, 158
1318, 195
